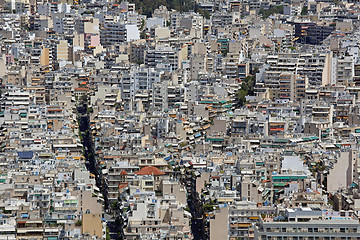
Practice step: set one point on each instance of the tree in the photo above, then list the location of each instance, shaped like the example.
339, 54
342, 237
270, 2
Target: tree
108, 234
204, 13
273, 9
304, 10
247, 89
147, 7
78, 223
142, 24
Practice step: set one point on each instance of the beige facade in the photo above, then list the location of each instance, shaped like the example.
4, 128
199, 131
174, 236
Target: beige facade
44, 58
219, 226
62, 50
91, 224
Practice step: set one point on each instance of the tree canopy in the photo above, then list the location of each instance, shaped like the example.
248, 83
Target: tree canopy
273, 9
247, 89
147, 7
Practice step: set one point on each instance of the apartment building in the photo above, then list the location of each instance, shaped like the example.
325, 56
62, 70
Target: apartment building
308, 223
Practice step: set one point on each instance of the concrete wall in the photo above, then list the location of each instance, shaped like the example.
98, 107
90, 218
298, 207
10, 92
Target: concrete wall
219, 227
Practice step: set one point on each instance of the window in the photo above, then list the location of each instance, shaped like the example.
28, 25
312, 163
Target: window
148, 183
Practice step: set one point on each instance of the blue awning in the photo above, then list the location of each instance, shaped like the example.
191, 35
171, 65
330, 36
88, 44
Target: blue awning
26, 155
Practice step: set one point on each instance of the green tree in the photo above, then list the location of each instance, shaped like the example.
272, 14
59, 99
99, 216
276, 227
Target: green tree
147, 7
108, 234
247, 89
304, 10
204, 13
272, 10
142, 24
78, 223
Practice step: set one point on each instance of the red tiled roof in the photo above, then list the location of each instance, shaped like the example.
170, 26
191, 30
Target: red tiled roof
121, 186
81, 89
150, 171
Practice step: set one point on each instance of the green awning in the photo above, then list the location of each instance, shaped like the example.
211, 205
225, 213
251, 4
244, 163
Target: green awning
281, 177
214, 139
290, 177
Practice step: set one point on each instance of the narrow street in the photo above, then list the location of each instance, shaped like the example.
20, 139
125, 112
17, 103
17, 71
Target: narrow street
195, 206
